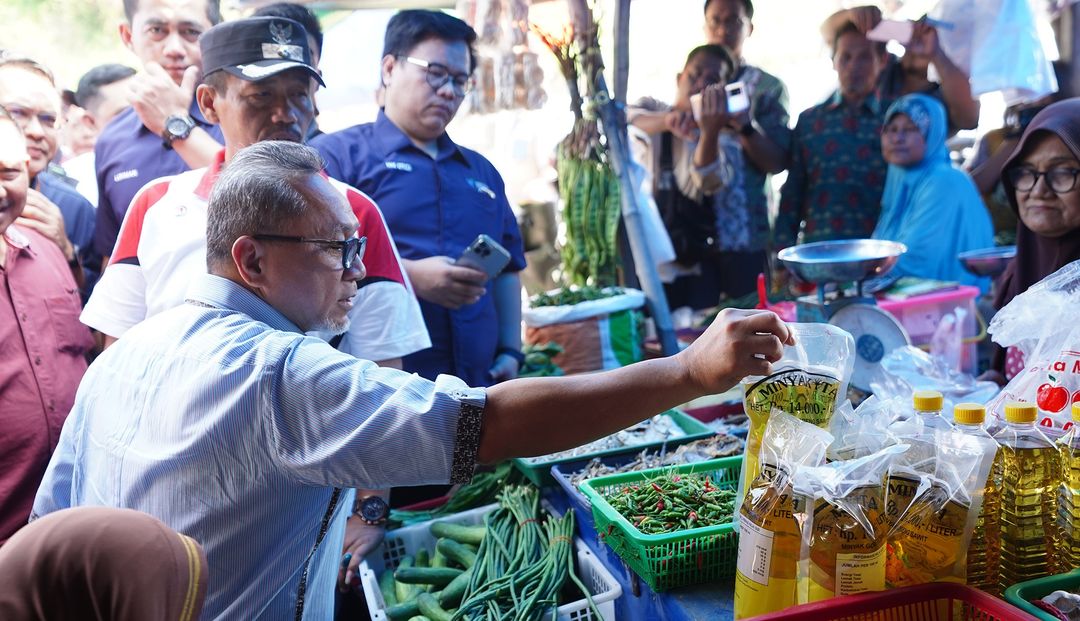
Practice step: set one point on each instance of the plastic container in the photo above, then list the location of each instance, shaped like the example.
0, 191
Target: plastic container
561, 473
921, 314
539, 473
1021, 595
1069, 494
675, 559
934, 601
982, 554
408, 540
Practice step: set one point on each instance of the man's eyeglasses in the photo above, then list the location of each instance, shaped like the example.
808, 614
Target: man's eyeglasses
352, 249
438, 75
22, 117
1060, 180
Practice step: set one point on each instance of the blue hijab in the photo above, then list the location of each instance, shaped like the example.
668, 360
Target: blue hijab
930, 206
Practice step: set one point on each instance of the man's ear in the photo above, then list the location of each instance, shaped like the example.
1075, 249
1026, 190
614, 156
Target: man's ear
125, 35
90, 121
387, 69
207, 96
249, 256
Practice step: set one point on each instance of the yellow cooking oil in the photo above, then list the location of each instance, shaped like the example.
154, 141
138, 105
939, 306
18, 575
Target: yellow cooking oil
983, 552
1029, 474
1069, 496
928, 405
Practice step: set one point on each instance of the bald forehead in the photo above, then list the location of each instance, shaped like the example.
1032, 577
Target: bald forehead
19, 80
328, 209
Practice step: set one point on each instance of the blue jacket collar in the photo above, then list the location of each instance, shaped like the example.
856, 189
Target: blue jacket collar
391, 139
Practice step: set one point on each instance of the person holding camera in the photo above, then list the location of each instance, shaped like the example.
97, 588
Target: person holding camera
439, 198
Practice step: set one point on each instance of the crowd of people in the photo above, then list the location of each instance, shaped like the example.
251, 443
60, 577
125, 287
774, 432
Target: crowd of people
280, 333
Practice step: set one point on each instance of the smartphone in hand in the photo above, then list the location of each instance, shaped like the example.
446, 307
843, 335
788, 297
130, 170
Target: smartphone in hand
737, 99
486, 255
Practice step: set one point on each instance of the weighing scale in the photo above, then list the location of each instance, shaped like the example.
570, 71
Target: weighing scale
833, 264
988, 261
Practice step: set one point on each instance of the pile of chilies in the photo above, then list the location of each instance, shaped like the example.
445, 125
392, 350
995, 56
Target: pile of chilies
522, 563
673, 502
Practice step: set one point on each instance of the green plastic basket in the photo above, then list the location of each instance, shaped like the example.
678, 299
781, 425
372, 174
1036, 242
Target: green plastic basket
1021, 595
675, 559
540, 472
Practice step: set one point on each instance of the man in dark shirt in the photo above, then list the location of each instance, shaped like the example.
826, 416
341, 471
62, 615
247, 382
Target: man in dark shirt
163, 133
437, 197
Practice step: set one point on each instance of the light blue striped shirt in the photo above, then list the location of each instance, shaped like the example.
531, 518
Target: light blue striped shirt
226, 422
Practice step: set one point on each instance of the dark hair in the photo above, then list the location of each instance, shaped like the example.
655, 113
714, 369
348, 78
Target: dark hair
718, 52
297, 13
257, 192
88, 95
213, 10
850, 27
409, 28
748, 7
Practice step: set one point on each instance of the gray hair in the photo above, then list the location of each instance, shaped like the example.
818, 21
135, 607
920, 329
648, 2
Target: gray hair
257, 193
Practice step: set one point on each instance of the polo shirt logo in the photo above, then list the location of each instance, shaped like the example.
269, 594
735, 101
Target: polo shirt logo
402, 166
125, 174
481, 187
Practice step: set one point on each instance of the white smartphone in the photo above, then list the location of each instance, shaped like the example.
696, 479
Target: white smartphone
485, 254
737, 99
892, 30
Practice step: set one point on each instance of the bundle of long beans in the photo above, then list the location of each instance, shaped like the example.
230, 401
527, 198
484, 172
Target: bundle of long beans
521, 564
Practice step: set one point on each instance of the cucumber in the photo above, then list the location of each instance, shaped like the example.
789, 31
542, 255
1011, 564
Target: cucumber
386, 585
419, 618
459, 533
452, 594
438, 559
430, 608
422, 559
457, 552
402, 612
405, 592
440, 576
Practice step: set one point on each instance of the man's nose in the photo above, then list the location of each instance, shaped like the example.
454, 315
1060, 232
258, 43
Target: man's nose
356, 272
174, 45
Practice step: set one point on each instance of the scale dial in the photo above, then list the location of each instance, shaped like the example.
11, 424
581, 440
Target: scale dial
876, 334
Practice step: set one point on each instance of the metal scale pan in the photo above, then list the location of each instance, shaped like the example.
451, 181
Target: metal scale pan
876, 332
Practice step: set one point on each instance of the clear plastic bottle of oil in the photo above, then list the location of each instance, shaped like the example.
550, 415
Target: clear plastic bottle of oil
1069, 496
928, 405
1030, 476
983, 551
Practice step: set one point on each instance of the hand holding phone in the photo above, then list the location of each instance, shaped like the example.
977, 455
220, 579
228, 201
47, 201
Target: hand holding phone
486, 255
737, 98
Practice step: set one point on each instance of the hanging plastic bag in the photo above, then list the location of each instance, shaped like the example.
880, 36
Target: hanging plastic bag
864, 430
843, 530
907, 369
1036, 322
769, 536
809, 382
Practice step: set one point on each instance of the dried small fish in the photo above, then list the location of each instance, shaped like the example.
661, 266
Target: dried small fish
659, 428
720, 445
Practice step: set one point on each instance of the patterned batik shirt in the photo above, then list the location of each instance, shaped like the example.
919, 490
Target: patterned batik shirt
836, 174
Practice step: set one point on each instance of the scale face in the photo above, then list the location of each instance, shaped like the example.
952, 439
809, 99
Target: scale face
876, 334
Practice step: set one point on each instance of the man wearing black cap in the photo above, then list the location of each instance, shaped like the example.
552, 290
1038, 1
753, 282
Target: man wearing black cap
258, 85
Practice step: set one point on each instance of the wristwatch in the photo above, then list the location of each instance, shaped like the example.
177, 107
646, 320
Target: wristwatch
177, 127
372, 509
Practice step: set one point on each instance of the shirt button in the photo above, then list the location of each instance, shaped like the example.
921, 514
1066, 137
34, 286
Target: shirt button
22, 316
37, 360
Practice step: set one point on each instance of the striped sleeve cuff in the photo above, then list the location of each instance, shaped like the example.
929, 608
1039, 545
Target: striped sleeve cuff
467, 440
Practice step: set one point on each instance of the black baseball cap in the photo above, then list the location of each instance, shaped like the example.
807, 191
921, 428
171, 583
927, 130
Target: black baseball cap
256, 48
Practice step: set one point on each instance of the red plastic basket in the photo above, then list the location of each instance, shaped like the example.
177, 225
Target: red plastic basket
936, 601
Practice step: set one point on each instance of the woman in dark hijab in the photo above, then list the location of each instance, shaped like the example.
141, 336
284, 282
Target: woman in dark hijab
102, 564
1041, 183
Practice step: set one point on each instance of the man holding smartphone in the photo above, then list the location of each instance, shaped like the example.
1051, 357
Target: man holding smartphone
437, 198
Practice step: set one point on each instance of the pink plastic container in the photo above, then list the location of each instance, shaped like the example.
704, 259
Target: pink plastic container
920, 315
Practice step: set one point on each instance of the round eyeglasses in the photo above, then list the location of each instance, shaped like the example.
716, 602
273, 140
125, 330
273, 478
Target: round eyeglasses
438, 75
352, 249
1060, 180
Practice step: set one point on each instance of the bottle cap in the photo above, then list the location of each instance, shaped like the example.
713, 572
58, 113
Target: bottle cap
1020, 412
969, 413
928, 401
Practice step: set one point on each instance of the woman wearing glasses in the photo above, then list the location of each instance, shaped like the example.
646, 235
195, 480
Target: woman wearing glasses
929, 206
1041, 184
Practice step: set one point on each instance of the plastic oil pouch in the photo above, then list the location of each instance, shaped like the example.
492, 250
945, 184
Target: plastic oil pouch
933, 507
809, 382
769, 537
843, 529
864, 430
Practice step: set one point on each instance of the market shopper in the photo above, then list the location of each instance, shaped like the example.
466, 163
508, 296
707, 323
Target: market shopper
836, 173
42, 342
438, 197
163, 132
928, 205
101, 564
53, 207
908, 74
310, 22
162, 244
1041, 183
226, 422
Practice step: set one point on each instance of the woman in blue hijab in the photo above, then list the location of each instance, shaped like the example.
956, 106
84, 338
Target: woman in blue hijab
931, 207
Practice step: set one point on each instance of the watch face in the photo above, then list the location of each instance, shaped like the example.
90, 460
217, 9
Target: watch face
374, 509
177, 126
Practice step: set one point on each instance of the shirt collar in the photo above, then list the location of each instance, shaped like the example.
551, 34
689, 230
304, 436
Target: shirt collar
223, 293
209, 178
872, 102
392, 139
16, 238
